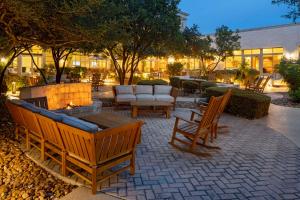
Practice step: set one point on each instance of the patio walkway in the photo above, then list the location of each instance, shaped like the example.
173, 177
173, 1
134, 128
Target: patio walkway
257, 161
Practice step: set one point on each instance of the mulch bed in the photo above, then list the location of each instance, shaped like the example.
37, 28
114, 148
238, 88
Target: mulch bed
286, 101
21, 178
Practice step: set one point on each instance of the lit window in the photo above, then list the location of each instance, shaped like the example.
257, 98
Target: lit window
94, 63
237, 53
76, 63
247, 52
277, 50
267, 51
255, 51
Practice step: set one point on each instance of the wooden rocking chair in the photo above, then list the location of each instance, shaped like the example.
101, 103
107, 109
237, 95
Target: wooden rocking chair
196, 131
215, 127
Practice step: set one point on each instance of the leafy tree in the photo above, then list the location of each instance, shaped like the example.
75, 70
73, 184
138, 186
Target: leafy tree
226, 42
175, 69
134, 30
198, 46
294, 6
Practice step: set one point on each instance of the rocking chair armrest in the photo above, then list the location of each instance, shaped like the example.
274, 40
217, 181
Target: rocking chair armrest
198, 112
203, 103
186, 120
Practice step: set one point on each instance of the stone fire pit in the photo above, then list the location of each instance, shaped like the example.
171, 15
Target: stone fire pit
59, 96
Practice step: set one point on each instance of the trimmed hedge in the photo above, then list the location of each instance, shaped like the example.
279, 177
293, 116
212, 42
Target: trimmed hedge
175, 82
247, 104
152, 82
190, 86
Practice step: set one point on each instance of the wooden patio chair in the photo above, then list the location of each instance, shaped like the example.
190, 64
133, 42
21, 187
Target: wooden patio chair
53, 143
97, 153
18, 119
196, 131
262, 87
97, 82
215, 127
35, 136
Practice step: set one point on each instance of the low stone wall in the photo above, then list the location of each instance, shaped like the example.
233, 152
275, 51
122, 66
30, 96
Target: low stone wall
60, 95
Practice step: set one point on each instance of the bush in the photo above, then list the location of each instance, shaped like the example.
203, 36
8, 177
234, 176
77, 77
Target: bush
175, 69
225, 75
175, 82
207, 84
20, 81
290, 72
246, 74
152, 82
190, 86
244, 103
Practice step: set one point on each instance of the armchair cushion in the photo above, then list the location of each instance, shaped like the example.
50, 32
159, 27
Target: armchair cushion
144, 89
162, 89
145, 97
124, 89
52, 115
125, 98
31, 107
164, 98
80, 124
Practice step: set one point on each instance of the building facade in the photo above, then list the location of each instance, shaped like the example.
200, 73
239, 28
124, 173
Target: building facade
261, 48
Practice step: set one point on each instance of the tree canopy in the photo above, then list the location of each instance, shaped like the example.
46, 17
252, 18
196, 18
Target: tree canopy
294, 6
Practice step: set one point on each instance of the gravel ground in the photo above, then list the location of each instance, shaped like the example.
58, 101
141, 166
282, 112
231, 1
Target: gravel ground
285, 101
20, 178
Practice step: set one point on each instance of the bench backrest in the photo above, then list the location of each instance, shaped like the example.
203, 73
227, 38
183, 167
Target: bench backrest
100, 147
31, 121
50, 131
15, 113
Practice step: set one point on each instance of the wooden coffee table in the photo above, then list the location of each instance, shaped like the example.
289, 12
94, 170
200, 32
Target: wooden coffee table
157, 106
107, 119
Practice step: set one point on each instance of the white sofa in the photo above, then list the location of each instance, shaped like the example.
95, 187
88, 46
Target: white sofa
125, 94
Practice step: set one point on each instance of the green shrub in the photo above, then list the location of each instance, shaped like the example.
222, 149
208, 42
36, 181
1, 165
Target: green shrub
175, 82
246, 74
290, 71
152, 82
295, 95
190, 86
244, 103
207, 84
175, 69
20, 81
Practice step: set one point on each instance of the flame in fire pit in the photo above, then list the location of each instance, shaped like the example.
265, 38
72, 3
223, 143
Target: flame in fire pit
70, 106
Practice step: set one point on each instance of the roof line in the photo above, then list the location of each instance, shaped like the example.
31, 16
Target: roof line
269, 27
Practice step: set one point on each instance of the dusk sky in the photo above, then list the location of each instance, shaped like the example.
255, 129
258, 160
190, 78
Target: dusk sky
237, 14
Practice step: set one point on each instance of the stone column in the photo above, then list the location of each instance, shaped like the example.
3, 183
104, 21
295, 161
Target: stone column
20, 64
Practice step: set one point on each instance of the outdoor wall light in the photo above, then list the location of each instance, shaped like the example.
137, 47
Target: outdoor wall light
171, 60
14, 88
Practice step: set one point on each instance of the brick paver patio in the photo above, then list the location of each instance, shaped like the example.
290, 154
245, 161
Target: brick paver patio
255, 162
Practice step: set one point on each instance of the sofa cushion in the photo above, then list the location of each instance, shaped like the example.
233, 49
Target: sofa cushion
18, 102
31, 107
124, 89
164, 98
144, 89
126, 98
52, 115
145, 97
80, 124
162, 89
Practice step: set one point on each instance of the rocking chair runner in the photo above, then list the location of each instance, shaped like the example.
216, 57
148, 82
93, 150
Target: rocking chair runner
214, 130
196, 131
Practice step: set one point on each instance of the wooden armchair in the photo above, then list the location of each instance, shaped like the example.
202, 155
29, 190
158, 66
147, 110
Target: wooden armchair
196, 131
260, 85
97, 153
214, 130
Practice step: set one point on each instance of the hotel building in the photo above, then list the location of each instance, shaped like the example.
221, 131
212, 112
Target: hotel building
261, 48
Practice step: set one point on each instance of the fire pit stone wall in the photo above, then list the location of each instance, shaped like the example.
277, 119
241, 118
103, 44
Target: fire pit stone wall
61, 95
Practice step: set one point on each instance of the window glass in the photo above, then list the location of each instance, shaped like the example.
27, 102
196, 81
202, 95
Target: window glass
229, 61
267, 51
237, 53
248, 52
255, 51
277, 50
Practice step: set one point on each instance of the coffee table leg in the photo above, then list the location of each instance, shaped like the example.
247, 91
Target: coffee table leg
134, 112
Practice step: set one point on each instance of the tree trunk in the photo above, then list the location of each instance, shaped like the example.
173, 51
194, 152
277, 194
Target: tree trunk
2, 79
58, 72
